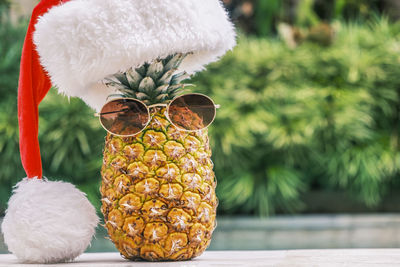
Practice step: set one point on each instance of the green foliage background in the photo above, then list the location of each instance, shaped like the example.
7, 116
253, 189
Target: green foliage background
292, 121
261, 17
305, 119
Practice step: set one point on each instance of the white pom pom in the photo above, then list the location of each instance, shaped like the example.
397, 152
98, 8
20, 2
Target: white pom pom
48, 222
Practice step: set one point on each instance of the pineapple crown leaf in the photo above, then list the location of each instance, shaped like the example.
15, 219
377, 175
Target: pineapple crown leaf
155, 70
152, 83
179, 77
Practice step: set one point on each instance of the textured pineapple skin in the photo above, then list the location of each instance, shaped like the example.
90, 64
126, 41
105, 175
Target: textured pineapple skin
158, 192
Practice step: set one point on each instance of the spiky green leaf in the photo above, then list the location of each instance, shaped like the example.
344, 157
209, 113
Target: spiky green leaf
133, 78
155, 70
166, 78
162, 89
117, 86
174, 62
147, 85
161, 98
179, 77
122, 79
143, 97
167, 59
142, 70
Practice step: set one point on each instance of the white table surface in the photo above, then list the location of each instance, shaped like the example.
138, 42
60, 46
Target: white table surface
293, 258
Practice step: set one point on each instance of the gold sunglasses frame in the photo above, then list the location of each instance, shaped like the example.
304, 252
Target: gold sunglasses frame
166, 113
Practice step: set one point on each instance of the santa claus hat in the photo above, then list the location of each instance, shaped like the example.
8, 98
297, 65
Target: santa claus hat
74, 45
83, 41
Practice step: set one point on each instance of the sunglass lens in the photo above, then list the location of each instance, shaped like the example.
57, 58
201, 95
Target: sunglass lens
192, 112
124, 116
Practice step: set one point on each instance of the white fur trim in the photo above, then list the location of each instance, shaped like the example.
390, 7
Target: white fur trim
48, 222
83, 41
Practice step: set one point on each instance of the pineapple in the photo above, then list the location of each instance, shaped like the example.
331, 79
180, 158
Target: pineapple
158, 187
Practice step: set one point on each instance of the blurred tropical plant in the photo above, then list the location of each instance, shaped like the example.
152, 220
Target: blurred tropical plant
11, 36
350, 9
262, 17
311, 117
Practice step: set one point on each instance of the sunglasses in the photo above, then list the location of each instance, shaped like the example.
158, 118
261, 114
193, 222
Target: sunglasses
128, 116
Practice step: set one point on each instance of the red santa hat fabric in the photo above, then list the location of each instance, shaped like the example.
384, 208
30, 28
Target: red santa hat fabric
34, 83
